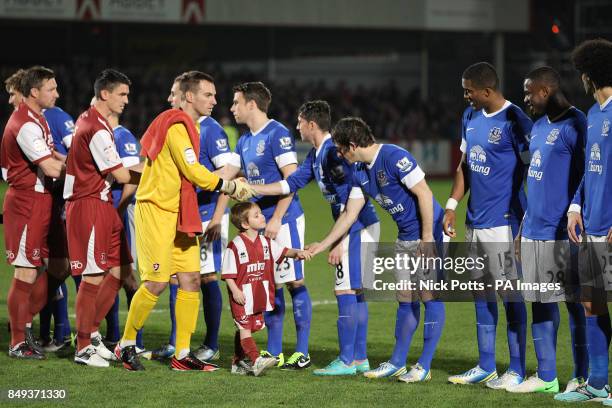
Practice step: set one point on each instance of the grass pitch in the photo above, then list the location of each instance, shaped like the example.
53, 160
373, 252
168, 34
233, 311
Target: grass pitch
160, 387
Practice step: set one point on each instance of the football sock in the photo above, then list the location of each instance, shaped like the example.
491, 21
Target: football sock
129, 294
361, 338
516, 317
112, 322
44, 329
347, 328
274, 321
142, 304
187, 308
577, 326
107, 296
172, 306
598, 336
249, 348
212, 303
238, 353
302, 315
406, 323
544, 329
432, 331
38, 296
18, 302
60, 315
486, 324
85, 313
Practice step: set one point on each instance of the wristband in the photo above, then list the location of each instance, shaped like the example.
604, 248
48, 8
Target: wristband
451, 204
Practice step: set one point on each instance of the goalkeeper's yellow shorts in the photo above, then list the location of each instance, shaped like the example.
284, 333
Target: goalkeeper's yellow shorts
162, 251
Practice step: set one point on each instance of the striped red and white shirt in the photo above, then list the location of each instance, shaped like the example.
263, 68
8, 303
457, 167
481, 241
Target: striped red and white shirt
251, 264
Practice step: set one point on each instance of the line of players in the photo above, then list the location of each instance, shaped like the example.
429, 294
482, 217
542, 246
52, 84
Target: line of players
496, 146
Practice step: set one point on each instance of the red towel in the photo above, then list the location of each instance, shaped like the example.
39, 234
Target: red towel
152, 142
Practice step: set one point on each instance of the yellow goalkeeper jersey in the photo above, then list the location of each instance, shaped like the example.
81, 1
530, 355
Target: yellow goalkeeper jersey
160, 182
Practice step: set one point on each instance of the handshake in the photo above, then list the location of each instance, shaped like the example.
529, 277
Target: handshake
238, 189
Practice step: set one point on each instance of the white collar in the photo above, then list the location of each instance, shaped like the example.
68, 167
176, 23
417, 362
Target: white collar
603, 105
262, 128
202, 119
369, 165
488, 115
325, 139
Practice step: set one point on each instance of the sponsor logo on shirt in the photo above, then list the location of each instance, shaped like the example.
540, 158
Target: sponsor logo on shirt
477, 157
381, 178
10, 255
221, 144
605, 127
495, 135
261, 148
76, 265
256, 269
595, 157
536, 163
252, 170
190, 156
36, 253
285, 143
323, 187
266, 252
404, 164
242, 257
552, 136
130, 148
384, 201
69, 125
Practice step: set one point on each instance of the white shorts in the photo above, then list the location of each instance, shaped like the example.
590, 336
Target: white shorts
358, 248
211, 253
549, 263
595, 263
496, 246
291, 235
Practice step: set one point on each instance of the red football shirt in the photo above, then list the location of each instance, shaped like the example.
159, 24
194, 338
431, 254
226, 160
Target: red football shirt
92, 156
251, 264
26, 142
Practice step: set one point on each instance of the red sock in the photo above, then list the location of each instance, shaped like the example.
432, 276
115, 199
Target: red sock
250, 348
38, 296
238, 352
18, 302
85, 313
106, 298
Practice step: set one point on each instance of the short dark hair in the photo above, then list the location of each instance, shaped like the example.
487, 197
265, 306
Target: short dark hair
546, 75
190, 80
594, 58
317, 112
14, 81
257, 92
180, 77
108, 81
352, 130
240, 214
33, 77
482, 75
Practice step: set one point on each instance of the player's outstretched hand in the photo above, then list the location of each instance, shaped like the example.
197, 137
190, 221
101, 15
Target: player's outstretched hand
449, 223
238, 189
213, 231
314, 248
335, 255
304, 255
239, 297
272, 228
574, 219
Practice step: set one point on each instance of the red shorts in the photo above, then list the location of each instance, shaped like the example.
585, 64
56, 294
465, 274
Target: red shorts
58, 243
95, 237
26, 225
253, 322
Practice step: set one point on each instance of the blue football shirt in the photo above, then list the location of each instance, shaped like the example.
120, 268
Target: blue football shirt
61, 126
262, 155
129, 151
496, 147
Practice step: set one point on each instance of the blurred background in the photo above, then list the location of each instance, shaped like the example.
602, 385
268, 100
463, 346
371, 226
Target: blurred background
395, 63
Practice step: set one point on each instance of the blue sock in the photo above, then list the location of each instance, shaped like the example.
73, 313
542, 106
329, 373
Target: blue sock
486, 325
598, 336
516, 318
274, 321
347, 327
544, 329
406, 323
139, 340
361, 339
302, 315
435, 316
45, 320
212, 304
60, 315
112, 322
172, 304
577, 325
